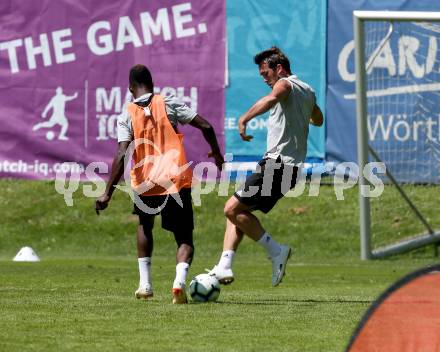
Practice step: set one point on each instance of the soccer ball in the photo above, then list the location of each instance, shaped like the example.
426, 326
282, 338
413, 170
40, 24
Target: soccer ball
50, 135
204, 288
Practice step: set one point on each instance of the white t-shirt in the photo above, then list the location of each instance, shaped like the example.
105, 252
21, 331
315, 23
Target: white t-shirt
177, 112
288, 125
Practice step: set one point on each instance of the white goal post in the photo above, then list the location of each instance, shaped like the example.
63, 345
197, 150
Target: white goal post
366, 151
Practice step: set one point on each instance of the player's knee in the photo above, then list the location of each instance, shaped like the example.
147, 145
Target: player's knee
187, 250
186, 246
230, 212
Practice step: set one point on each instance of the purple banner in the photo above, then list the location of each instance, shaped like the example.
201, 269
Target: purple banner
64, 75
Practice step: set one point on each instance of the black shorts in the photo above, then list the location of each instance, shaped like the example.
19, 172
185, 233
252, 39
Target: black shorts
175, 218
269, 183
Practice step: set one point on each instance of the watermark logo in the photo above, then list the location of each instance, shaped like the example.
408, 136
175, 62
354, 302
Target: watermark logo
164, 169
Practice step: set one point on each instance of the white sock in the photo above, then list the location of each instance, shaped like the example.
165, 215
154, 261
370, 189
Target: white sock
144, 271
272, 247
226, 258
181, 272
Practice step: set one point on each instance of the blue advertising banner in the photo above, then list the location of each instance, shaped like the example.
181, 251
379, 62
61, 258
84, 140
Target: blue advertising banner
403, 90
296, 27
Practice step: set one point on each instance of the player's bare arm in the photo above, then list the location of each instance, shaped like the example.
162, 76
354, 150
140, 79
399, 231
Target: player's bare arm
116, 173
210, 137
317, 119
280, 91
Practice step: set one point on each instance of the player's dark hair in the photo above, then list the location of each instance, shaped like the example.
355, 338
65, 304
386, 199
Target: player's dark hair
273, 57
140, 75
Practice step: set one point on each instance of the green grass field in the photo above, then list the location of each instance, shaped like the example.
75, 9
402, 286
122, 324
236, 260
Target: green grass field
80, 296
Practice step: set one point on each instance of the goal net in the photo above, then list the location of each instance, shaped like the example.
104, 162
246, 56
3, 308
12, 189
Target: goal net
398, 108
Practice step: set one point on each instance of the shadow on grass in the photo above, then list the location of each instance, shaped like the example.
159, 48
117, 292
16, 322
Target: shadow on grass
281, 302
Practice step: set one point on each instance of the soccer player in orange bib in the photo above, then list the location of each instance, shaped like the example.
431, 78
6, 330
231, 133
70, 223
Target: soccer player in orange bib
160, 178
